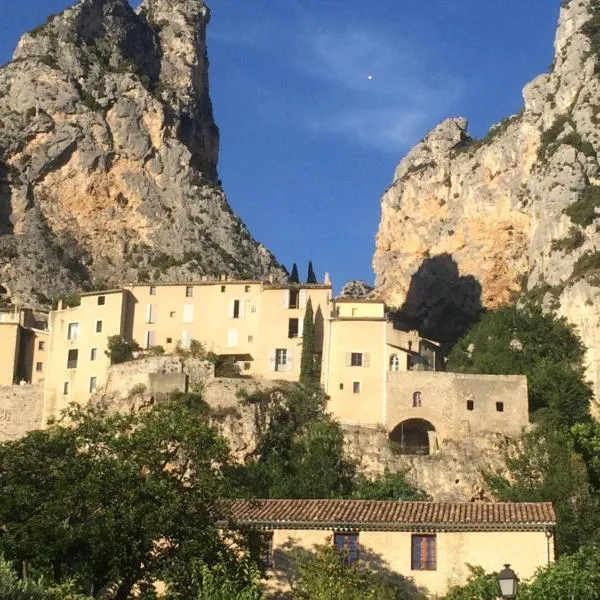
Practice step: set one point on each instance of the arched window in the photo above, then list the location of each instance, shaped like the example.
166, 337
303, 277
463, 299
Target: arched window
417, 397
394, 362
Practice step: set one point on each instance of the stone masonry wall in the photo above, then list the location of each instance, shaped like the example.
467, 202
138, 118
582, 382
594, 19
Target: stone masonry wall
20, 410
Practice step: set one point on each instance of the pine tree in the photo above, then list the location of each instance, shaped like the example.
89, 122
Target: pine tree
307, 361
294, 277
311, 277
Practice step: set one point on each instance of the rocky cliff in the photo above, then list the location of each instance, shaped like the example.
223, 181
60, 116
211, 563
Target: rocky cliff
108, 154
469, 222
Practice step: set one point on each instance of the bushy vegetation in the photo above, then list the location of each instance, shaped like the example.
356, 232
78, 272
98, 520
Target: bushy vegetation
567, 244
587, 263
119, 350
525, 341
583, 211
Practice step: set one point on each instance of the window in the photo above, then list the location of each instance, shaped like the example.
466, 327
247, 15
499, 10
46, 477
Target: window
253, 309
93, 383
93, 353
169, 340
347, 545
281, 359
172, 314
186, 339
250, 339
101, 300
470, 405
356, 359
500, 406
152, 290
236, 309
294, 299
223, 288
423, 553
188, 313
417, 399
189, 291
150, 339
98, 326
246, 288
260, 544
66, 387
73, 331
72, 359
232, 337
41, 345
292, 328
39, 367
150, 313
356, 387
394, 362
341, 386
355, 312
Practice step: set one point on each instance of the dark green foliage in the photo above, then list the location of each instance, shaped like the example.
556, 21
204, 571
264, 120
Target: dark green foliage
88, 500
583, 146
308, 374
570, 243
311, 276
548, 141
526, 341
592, 29
294, 277
69, 300
120, 350
587, 263
480, 586
546, 467
583, 211
389, 486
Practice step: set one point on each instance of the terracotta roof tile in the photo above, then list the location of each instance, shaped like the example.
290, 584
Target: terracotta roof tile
391, 514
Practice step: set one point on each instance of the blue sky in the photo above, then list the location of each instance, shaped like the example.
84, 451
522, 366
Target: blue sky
309, 142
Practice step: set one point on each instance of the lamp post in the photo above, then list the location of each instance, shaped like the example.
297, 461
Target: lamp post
508, 582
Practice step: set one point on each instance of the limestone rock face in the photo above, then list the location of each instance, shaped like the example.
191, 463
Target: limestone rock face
470, 223
108, 155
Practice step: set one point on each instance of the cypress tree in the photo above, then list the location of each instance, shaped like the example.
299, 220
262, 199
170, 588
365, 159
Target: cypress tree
294, 277
307, 361
311, 277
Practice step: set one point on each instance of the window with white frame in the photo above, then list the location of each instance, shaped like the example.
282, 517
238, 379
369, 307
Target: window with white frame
72, 359
93, 384
394, 362
356, 359
281, 359
93, 353
73, 331
66, 388
98, 326
356, 387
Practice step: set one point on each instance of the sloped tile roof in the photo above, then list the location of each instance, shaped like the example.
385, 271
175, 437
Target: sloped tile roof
391, 514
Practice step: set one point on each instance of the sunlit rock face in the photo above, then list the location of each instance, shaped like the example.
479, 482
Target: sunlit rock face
472, 223
108, 155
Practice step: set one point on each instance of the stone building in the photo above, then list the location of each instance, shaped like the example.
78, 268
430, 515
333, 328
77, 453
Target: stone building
431, 542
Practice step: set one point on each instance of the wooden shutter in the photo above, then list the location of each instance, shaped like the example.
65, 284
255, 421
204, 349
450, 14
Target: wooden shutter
366, 359
232, 337
242, 309
231, 308
150, 313
290, 360
286, 298
150, 339
303, 298
348, 359
300, 328
186, 339
188, 313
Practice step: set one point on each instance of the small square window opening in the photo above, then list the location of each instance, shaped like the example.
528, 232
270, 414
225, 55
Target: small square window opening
356, 387
470, 405
101, 300
152, 290
39, 367
98, 326
356, 359
500, 406
189, 291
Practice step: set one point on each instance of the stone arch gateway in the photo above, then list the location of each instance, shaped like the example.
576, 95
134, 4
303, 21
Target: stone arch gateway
413, 436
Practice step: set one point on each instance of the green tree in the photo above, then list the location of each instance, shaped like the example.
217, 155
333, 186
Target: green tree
545, 467
321, 575
118, 499
294, 277
308, 373
300, 448
526, 341
311, 276
480, 586
119, 350
389, 486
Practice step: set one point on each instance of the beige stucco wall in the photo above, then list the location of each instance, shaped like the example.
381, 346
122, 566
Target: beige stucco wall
111, 314
9, 351
391, 551
444, 402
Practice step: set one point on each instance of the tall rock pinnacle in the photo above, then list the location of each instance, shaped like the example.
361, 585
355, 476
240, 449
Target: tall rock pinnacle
108, 155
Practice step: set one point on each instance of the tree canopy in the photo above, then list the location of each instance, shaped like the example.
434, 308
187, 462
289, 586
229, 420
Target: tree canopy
526, 341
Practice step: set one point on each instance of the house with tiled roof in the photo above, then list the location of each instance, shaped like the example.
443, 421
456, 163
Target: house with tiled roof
431, 543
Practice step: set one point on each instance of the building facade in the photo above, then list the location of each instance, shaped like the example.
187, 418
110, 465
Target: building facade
431, 543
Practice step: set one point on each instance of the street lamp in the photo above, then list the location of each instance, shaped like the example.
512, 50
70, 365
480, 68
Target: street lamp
509, 583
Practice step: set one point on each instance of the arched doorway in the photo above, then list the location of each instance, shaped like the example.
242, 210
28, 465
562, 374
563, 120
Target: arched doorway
412, 437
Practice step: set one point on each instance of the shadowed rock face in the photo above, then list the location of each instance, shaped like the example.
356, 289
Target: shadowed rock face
515, 211
108, 154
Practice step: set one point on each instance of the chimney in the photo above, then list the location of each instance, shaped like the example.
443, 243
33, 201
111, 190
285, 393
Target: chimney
327, 279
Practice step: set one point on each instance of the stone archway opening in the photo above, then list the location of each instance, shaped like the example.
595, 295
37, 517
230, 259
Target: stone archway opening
413, 436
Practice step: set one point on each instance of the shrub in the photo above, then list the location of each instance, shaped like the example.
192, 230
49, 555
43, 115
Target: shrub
567, 244
583, 211
587, 263
119, 350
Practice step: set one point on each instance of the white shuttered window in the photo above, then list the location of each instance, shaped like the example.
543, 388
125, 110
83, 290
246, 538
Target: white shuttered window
188, 313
